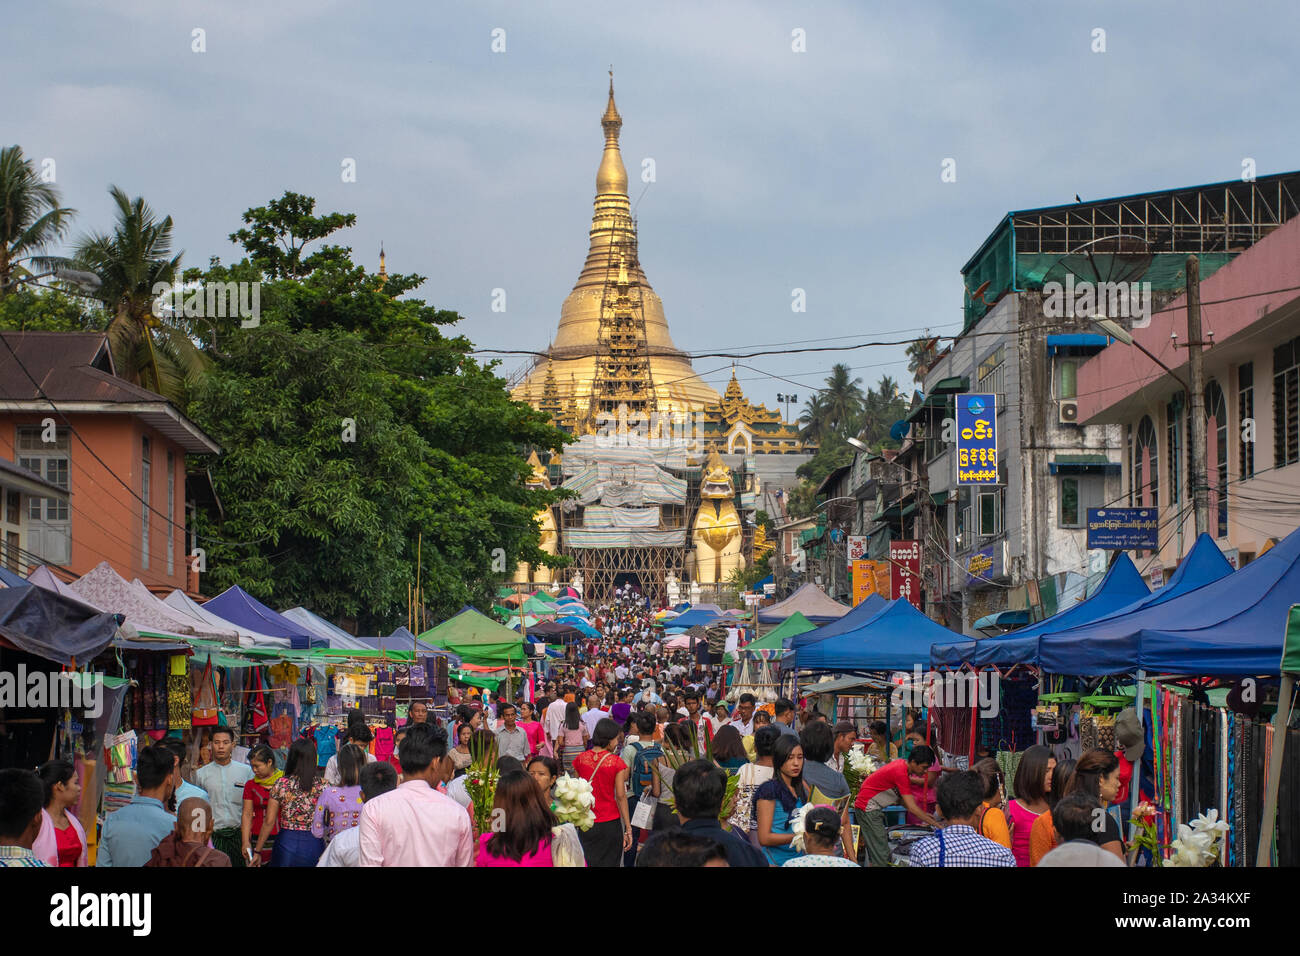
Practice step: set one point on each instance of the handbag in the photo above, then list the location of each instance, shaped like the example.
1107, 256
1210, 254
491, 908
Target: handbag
644, 816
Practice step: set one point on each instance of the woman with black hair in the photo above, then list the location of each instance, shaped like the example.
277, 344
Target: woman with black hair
573, 737
338, 808
729, 749
776, 801
257, 796
293, 807
822, 829
527, 840
544, 771
61, 840
749, 778
992, 818
1097, 775
1042, 836
1033, 783
611, 835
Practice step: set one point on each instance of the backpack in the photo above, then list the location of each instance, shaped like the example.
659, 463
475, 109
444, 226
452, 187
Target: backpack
642, 776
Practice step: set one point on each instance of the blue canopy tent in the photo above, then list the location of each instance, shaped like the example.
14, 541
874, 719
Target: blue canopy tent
584, 626
1121, 586
239, 607
898, 638
696, 615
868, 608
1234, 625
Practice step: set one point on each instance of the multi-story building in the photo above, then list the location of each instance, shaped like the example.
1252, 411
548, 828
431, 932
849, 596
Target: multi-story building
116, 450
1028, 330
1251, 319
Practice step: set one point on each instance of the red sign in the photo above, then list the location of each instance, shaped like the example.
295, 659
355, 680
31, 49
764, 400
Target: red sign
905, 571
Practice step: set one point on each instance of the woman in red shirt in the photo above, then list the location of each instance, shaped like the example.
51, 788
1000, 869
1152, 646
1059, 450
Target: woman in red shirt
611, 836
257, 793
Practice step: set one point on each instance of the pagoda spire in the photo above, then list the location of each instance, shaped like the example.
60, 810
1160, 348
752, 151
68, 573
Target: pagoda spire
611, 178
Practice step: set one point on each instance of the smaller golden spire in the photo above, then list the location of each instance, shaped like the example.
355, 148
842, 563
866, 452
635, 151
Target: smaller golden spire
383, 271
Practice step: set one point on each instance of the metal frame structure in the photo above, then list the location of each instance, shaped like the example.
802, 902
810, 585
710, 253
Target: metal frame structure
1223, 217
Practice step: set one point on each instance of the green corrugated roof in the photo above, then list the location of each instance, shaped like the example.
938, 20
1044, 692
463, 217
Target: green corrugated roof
1097, 459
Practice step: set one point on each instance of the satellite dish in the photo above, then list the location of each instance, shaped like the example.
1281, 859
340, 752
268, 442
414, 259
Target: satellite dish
1119, 258
898, 430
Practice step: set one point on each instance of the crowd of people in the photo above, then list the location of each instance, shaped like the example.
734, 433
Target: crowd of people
651, 733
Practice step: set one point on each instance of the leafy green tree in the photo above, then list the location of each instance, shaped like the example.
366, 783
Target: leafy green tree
47, 311
30, 220
354, 431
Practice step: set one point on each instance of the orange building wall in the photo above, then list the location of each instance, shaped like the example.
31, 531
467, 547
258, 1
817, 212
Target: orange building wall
106, 517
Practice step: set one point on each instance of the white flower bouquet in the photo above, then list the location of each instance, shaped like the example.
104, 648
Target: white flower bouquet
1199, 843
858, 766
575, 802
797, 827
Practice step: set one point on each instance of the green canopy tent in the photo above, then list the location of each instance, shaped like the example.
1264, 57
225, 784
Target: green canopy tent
792, 626
539, 607
477, 639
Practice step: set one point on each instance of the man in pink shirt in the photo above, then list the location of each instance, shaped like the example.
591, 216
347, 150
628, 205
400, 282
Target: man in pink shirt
415, 825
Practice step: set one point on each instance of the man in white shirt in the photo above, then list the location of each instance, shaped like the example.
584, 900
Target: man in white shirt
743, 717
553, 719
654, 649
593, 715
224, 780
345, 848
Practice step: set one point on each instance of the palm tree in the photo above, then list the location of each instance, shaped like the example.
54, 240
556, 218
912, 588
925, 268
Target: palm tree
156, 353
813, 419
921, 355
843, 397
30, 219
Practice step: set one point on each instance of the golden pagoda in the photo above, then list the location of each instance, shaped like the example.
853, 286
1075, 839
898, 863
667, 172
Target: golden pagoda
613, 342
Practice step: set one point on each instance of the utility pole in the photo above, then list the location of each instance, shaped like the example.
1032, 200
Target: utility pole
1196, 467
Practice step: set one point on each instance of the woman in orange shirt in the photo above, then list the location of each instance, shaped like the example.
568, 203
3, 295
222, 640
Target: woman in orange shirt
993, 820
1042, 836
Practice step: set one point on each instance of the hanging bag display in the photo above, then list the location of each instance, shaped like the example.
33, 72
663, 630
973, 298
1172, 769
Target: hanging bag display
207, 705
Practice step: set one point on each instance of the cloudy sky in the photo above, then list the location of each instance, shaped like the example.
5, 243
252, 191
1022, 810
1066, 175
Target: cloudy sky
776, 169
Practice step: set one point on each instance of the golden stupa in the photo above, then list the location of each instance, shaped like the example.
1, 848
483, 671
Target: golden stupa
595, 362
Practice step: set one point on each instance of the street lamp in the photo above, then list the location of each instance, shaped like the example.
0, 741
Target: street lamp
1196, 477
88, 281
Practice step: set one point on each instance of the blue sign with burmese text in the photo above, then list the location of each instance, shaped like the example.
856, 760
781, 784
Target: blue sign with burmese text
977, 440
1124, 529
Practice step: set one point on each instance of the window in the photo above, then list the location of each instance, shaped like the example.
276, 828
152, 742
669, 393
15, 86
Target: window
1174, 448
1286, 403
144, 502
1146, 465
1216, 455
1078, 494
171, 512
965, 519
13, 508
991, 376
1067, 377
1245, 410
48, 460
990, 516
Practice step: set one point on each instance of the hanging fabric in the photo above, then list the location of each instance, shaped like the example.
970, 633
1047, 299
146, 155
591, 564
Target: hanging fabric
207, 705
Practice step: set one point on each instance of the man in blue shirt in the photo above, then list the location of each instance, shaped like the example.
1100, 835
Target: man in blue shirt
131, 833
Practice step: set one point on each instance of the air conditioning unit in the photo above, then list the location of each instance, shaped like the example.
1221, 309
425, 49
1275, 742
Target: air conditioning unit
1068, 412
